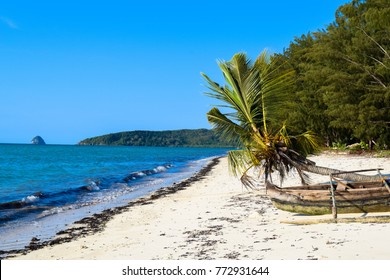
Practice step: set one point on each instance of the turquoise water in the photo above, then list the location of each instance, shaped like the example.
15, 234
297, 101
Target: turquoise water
43, 188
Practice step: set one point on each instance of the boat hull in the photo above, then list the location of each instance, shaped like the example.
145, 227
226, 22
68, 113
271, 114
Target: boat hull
318, 201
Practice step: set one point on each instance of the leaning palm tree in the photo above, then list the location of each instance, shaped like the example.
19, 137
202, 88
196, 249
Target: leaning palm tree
253, 97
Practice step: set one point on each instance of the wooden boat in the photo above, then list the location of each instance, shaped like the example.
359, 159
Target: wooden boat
348, 197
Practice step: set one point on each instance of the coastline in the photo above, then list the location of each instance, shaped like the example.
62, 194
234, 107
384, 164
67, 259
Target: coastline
210, 216
97, 222
60, 185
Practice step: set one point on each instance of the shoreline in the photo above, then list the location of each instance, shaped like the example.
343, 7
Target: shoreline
213, 217
97, 222
50, 192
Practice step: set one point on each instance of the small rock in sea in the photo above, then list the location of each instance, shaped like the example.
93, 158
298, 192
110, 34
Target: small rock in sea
38, 140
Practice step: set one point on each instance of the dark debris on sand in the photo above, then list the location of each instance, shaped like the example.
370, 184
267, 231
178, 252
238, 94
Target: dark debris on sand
97, 222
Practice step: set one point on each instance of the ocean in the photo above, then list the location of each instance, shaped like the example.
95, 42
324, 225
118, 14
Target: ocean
43, 189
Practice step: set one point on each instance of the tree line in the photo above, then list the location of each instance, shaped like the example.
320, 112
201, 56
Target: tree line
168, 138
342, 77
329, 86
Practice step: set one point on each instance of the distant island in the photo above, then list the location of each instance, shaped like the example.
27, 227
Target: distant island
38, 140
167, 138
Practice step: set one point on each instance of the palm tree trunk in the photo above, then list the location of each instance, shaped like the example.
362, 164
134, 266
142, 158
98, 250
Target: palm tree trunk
348, 176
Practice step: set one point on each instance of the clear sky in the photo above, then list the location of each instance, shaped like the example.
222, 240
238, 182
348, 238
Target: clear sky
76, 69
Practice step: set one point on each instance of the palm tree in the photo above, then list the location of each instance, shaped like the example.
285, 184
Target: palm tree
254, 96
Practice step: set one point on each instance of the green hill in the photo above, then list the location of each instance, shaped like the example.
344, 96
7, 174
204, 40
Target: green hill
168, 138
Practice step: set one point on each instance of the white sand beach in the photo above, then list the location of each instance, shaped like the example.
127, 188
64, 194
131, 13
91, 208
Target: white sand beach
216, 218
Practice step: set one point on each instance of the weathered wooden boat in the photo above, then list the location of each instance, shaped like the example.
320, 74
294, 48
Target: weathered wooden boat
346, 197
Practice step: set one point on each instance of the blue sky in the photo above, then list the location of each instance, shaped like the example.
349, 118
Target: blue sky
76, 69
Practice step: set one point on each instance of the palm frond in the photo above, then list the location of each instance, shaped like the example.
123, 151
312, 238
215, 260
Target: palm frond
224, 126
236, 73
305, 179
254, 94
306, 143
218, 92
273, 91
240, 162
248, 181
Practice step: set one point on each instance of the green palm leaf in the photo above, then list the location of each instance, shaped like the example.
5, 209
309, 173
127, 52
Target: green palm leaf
254, 95
224, 126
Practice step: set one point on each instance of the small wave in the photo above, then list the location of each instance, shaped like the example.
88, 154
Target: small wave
144, 173
92, 186
57, 202
30, 199
54, 210
10, 214
160, 169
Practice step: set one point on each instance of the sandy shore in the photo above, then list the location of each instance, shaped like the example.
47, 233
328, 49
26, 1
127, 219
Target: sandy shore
215, 218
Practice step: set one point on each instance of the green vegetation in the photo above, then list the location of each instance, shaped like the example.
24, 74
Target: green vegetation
335, 82
254, 95
254, 98
342, 88
169, 138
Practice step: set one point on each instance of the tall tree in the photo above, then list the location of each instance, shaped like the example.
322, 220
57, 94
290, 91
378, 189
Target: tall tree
309, 106
343, 75
254, 95
359, 38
